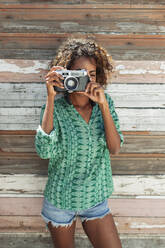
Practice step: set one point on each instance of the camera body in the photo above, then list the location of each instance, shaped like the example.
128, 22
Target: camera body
74, 80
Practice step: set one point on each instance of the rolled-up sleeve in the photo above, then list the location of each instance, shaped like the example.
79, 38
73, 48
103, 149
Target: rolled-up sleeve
115, 118
47, 145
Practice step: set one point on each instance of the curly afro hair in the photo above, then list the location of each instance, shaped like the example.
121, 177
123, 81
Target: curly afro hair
75, 48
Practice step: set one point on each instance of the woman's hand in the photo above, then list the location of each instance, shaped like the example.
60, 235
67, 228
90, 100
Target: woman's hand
53, 79
96, 93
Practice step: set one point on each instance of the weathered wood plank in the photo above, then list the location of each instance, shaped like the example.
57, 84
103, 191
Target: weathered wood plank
43, 240
30, 164
138, 165
128, 95
52, 41
141, 185
57, 19
117, 54
128, 165
130, 118
134, 143
158, 4
38, 240
146, 3
72, 2
137, 95
23, 70
44, 46
33, 71
139, 72
19, 206
140, 225
74, 26
125, 225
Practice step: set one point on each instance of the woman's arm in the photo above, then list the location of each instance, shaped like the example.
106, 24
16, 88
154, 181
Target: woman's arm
96, 93
112, 136
46, 140
47, 121
52, 79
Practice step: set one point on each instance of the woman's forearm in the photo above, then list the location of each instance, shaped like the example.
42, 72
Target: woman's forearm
112, 136
47, 121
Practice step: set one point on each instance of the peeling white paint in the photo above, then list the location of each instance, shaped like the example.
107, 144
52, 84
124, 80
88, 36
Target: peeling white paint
21, 195
145, 226
155, 72
70, 25
162, 66
155, 69
138, 185
120, 67
138, 71
150, 197
35, 67
20, 25
161, 29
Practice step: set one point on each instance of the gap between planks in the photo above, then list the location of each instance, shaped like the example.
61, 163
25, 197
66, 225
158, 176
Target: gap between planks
81, 6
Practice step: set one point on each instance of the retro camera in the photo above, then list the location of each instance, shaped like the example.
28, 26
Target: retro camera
74, 80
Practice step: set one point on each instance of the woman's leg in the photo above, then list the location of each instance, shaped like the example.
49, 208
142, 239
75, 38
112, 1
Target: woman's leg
62, 236
102, 232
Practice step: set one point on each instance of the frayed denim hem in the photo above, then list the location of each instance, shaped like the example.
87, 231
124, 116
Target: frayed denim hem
96, 217
55, 224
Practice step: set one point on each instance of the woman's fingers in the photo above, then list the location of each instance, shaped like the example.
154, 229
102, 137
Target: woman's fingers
53, 78
53, 83
54, 73
93, 88
55, 68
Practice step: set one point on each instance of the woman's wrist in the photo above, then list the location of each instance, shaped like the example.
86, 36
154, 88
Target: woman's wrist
50, 98
104, 105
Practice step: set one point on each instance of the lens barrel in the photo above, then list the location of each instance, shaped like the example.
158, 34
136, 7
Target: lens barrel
71, 83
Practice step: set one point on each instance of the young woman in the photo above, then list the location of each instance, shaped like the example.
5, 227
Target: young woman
77, 133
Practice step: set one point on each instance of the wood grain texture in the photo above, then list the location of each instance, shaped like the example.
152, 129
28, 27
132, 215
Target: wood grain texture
19, 206
127, 72
124, 95
137, 119
32, 164
44, 46
141, 185
43, 240
11, 164
102, 18
38, 40
115, 3
133, 32
135, 143
124, 225
71, 2
117, 54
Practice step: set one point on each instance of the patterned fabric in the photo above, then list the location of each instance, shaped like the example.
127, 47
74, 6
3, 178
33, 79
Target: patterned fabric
79, 172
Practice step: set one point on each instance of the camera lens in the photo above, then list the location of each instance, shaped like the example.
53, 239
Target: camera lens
71, 83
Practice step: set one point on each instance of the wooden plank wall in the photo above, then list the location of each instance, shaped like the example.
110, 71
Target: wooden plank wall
133, 32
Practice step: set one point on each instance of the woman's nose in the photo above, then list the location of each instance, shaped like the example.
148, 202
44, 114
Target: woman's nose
90, 77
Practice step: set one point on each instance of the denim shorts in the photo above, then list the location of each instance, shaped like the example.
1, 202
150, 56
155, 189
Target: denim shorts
63, 217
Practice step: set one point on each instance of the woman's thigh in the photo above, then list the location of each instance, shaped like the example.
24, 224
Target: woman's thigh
61, 224
102, 232
62, 236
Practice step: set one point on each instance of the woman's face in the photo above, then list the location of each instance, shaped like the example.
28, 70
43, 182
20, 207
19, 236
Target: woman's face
89, 64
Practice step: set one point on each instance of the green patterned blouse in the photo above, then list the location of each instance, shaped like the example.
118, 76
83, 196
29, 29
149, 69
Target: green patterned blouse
79, 171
